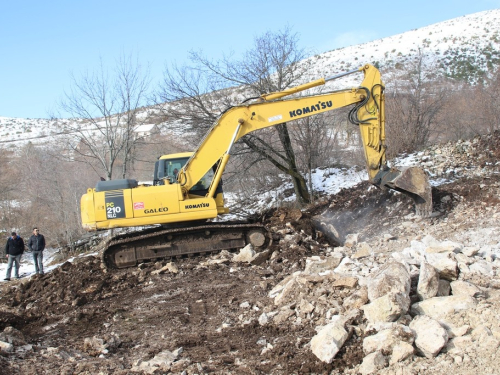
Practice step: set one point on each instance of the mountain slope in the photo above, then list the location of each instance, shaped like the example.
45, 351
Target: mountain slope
466, 48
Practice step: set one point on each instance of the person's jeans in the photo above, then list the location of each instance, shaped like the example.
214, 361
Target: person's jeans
38, 260
13, 259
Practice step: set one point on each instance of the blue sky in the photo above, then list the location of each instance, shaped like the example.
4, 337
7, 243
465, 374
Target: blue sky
43, 42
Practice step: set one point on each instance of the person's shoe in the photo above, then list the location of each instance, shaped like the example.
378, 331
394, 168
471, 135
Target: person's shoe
18, 278
7, 279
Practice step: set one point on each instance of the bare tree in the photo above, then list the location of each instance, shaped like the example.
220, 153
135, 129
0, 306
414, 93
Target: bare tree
49, 190
5, 169
106, 109
198, 94
315, 137
413, 105
8, 175
488, 103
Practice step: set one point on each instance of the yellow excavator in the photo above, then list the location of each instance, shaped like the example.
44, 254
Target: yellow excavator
187, 188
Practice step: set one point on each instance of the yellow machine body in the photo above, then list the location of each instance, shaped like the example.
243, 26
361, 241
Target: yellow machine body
177, 199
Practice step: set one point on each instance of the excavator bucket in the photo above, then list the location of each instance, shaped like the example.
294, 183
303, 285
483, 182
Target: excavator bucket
412, 181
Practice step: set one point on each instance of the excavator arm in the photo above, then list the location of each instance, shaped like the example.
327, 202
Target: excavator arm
367, 113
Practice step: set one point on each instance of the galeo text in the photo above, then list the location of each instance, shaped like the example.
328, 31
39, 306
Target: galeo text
155, 210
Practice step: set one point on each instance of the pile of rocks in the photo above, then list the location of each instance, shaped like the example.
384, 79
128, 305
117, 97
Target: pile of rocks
406, 304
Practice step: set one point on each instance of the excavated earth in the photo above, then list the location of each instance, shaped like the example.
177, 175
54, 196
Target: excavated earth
204, 315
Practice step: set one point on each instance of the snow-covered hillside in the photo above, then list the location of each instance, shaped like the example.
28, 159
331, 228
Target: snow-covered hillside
464, 47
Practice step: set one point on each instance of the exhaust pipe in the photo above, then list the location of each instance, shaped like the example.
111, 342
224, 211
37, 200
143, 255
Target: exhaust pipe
412, 181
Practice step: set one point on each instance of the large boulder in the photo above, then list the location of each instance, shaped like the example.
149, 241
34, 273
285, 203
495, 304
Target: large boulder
391, 278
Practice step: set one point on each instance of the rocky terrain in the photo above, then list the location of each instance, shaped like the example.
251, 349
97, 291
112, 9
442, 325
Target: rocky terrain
356, 283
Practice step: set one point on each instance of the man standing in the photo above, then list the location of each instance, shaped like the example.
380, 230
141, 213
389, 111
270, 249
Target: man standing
14, 249
36, 244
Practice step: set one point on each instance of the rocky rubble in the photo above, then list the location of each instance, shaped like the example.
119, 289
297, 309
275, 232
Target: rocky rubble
396, 320
388, 293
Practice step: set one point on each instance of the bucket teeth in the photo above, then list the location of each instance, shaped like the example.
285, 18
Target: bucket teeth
412, 181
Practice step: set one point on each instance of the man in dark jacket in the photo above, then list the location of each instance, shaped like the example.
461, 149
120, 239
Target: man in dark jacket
14, 248
36, 244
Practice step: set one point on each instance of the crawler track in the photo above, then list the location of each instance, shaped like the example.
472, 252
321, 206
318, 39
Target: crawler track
127, 250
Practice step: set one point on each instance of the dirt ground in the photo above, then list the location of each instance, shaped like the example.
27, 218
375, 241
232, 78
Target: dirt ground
204, 313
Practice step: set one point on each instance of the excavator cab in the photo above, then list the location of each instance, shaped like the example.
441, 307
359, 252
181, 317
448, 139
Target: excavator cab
167, 170
168, 166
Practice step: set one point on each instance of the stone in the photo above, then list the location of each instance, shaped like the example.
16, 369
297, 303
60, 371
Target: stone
348, 282
445, 264
170, 267
246, 254
430, 336
13, 336
393, 277
372, 363
465, 288
364, 250
160, 362
386, 339
439, 307
470, 251
263, 319
400, 352
285, 289
351, 240
283, 315
315, 265
329, 340
387, 308
305, 307
444, 288
430, 241
428, 281
444, 247
94, 346
356, 299
458, 345
389, 237
482, 267
261, 257
6, 347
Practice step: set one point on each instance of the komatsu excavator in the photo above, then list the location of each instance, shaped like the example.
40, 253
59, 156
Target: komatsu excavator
187, 188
